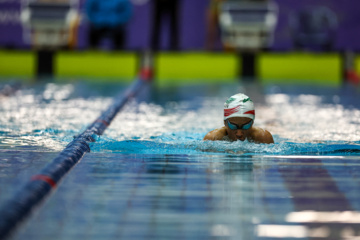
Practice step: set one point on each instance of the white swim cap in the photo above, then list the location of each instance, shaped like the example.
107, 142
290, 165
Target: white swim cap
239, 105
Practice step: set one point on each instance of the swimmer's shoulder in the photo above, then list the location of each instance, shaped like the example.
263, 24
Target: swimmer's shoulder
217, 134
260, 135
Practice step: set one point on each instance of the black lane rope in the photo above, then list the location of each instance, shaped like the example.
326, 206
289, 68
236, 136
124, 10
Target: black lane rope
14, 211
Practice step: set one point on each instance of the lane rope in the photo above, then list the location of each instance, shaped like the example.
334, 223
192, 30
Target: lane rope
17, 209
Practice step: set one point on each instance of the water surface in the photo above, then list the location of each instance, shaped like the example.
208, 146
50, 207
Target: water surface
150, 176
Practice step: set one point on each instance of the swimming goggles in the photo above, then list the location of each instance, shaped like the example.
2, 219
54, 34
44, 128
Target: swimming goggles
236, 127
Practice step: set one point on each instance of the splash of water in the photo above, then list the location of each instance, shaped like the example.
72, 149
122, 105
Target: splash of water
302, 124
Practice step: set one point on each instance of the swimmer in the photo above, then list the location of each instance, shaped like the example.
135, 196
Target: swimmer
239, 115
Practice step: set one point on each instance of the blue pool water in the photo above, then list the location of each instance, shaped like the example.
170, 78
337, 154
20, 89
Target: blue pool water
150, 176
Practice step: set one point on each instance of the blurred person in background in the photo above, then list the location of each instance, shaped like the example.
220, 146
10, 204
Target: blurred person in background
314, 28
108, 18
161, 10
212, 24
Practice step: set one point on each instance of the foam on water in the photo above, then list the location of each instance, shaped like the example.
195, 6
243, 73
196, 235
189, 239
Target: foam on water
302, 124
46, 117
162, 145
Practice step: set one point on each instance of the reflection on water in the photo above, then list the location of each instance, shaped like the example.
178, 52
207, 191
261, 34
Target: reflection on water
149, 196
114, 196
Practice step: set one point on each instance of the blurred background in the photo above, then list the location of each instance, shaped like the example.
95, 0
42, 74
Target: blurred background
192, 24
250, 35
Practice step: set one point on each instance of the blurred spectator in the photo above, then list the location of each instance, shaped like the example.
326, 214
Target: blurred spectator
162, 9
108, 18
314, 27
212, 19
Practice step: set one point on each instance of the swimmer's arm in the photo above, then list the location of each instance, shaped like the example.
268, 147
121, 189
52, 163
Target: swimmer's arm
217, 134
263, 136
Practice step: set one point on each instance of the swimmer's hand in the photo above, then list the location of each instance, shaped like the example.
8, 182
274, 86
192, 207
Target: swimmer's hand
217, 134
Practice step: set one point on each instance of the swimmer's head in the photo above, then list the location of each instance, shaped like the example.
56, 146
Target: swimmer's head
239, 105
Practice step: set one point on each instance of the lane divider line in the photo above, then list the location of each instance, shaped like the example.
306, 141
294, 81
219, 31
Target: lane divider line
17, 209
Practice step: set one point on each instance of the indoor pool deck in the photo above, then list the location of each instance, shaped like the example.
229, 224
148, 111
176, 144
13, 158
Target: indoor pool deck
172, 185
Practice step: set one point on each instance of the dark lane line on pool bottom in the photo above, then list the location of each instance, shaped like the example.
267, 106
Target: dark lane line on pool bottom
315, 193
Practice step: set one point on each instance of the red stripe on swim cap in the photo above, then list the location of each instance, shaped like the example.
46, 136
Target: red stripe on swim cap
250, 112
230, 111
